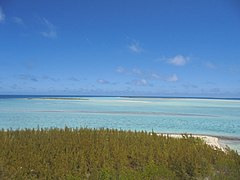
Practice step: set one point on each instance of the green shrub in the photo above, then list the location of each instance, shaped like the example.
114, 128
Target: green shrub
110, 154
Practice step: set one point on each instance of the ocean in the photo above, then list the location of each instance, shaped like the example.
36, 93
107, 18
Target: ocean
215, 117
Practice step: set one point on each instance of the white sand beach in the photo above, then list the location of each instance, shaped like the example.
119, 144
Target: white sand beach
209, 140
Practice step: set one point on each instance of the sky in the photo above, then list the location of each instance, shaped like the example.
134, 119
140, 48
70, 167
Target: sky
110, 47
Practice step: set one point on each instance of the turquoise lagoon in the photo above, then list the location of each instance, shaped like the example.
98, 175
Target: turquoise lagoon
215, 117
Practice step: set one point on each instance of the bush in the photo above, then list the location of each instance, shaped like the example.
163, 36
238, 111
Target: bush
110, 154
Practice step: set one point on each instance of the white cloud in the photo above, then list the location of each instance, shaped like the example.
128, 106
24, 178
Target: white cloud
172, 78
137, 71
2, 15
134, 71
51, 29
18, 20
46, 77
143, 82
210, 65
103, 81
189, 86
143, 77
140, 82
135, 47
28, 77
155, 76
178, 60
73, 79
120, 69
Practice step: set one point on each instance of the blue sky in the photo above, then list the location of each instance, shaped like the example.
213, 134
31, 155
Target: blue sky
109, 47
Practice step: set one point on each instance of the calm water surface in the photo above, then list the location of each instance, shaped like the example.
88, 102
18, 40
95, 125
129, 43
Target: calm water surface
217, 117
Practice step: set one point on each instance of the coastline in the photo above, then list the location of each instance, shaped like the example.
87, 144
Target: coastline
212, 141
219, 142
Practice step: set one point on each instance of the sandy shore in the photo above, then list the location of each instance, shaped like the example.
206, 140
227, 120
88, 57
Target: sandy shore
210, 140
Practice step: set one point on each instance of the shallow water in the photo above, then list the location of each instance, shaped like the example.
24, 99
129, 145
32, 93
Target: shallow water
173, 115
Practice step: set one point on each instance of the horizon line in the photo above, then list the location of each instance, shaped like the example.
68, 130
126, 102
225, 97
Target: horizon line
124, 96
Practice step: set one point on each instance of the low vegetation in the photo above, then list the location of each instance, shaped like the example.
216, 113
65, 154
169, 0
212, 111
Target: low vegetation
110, 154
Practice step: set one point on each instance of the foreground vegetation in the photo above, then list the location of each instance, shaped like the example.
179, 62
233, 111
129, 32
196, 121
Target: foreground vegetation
110, 154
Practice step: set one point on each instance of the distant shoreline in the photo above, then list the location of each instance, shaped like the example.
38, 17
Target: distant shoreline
85, 96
